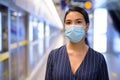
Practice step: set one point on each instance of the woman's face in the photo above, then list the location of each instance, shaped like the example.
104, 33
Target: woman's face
75, 18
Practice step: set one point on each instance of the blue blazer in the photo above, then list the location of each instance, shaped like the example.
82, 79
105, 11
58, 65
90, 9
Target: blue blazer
93, 67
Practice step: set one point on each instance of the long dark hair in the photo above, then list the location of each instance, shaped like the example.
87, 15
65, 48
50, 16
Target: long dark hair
80, 10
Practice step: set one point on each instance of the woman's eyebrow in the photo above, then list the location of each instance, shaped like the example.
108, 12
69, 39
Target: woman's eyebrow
79, 19
68, 20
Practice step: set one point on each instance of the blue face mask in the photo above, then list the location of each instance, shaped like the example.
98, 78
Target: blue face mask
75, 33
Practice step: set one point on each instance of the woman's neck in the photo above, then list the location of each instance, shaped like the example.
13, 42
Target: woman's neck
80, 47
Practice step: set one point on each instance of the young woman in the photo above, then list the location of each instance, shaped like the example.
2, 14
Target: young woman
76, 60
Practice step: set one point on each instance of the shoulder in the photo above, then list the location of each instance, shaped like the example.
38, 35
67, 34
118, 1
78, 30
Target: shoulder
56, 52
96, 55
96, 58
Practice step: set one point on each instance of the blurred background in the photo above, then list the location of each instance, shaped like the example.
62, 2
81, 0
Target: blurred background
30, 29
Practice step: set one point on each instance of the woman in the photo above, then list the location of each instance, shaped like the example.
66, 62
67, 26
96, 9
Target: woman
76, 60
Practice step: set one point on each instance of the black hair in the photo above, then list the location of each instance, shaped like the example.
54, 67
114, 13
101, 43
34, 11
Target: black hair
80, 10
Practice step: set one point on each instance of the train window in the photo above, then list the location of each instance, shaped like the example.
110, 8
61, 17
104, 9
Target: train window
17, 33
3, 41
13, 27
41, 38
22, 28
0, 33
35, 29
3, 28
41, 30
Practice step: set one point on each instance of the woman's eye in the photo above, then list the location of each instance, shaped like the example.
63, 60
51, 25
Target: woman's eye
67, 23
78, 22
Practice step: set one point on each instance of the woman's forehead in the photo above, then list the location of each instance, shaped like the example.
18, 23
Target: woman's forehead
74, 15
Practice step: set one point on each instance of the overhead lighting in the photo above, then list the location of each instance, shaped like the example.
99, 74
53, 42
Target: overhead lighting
87, 4
17, 14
